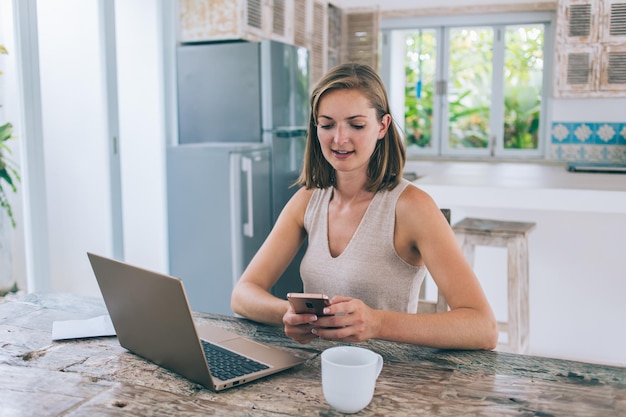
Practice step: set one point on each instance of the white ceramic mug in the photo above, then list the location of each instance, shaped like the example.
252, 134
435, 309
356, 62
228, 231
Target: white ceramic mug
349, 376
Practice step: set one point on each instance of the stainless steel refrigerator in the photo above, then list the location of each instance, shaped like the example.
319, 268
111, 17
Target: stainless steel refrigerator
219, 214
232, 93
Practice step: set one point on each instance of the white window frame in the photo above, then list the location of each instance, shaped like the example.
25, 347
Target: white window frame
392, 72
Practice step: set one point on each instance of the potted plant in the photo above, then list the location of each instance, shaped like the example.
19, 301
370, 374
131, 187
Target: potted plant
8, 173
9, 177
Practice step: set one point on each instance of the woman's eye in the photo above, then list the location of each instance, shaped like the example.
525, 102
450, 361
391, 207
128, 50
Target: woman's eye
321, 126
358, 126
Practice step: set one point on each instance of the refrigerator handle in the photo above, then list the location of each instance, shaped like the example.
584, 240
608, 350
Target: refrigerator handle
248, 227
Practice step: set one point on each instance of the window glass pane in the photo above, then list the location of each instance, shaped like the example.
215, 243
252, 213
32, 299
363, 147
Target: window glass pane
523, 84
469, 87
420, 64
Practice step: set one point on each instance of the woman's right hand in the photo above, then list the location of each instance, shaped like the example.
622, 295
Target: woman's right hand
299, 326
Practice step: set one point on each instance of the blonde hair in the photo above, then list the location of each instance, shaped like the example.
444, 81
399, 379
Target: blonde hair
386, 163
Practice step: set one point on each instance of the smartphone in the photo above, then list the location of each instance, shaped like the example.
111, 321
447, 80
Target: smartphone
308, 303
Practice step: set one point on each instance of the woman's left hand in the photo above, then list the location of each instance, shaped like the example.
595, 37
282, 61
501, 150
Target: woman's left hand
347, 320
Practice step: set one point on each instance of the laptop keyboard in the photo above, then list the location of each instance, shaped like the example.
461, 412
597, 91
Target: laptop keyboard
225, 364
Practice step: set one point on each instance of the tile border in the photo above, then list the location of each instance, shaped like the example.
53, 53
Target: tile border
603, 142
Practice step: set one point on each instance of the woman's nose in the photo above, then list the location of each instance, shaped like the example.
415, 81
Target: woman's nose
340, 135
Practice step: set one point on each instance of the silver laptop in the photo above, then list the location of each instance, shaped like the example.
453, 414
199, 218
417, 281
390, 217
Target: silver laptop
152, 319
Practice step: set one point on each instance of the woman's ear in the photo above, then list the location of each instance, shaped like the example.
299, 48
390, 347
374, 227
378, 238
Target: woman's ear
384, 125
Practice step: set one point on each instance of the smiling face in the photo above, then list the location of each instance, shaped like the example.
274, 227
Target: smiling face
348, 129
349, 115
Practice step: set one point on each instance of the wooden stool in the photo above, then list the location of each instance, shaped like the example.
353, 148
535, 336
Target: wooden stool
473, 232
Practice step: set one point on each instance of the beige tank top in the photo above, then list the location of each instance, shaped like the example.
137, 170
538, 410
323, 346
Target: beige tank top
369, 268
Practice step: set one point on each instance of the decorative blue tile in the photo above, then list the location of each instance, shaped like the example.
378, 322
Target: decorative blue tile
606, 133
606, 155
603, 142
561, 133
582, 133
621, 134
556, 152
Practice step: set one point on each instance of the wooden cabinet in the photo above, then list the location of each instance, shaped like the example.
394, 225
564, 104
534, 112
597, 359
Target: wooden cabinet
331, 35
311, 32
335, 24
297, 22
591, 48
612, 21
334, 35
218, 20
360, 36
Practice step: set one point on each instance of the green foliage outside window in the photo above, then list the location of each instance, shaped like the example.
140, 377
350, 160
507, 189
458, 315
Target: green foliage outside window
420, 62
469, 85
523, 86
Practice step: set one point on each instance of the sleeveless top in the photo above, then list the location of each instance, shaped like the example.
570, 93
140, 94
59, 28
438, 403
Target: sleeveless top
369, 268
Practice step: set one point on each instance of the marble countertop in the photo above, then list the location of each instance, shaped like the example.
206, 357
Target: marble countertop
96, 376
520, 185
513, 174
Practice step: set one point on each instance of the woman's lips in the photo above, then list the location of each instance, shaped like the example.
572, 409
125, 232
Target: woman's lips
342, 154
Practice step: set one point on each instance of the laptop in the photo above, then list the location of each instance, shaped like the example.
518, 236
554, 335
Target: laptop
152, 319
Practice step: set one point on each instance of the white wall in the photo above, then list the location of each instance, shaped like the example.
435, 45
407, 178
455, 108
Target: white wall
143, 128
589, 110
76, 144
75, 141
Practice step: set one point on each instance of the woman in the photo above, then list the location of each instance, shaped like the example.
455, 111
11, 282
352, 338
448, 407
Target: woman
371, 235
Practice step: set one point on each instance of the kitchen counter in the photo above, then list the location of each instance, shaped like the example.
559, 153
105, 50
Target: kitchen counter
521, 186
576, 251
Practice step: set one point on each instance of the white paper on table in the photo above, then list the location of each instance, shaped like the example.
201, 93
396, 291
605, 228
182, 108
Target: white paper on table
79, 329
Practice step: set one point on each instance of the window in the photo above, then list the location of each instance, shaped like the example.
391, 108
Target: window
470, 85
